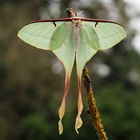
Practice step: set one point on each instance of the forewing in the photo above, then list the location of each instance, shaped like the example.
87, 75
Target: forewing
45, 35
109, 34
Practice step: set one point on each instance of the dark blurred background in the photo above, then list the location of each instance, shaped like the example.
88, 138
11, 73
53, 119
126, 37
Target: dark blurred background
32, 80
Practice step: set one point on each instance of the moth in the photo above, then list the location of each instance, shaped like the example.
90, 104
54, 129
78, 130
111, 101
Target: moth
72, 39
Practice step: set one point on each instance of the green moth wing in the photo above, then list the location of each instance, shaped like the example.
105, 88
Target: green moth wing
44, 35
84, 52
66, 54
109, 34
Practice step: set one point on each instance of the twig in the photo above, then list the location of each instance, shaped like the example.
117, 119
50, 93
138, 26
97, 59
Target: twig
93, 111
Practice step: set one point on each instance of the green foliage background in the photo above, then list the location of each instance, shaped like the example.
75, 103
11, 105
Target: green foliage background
32, 80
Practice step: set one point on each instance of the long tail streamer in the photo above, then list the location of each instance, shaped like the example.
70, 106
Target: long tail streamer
62, 108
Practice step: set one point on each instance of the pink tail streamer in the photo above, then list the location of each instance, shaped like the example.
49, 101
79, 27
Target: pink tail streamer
78, 121
62, 108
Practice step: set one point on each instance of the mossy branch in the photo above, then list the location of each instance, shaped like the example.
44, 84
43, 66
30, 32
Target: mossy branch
93, 110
